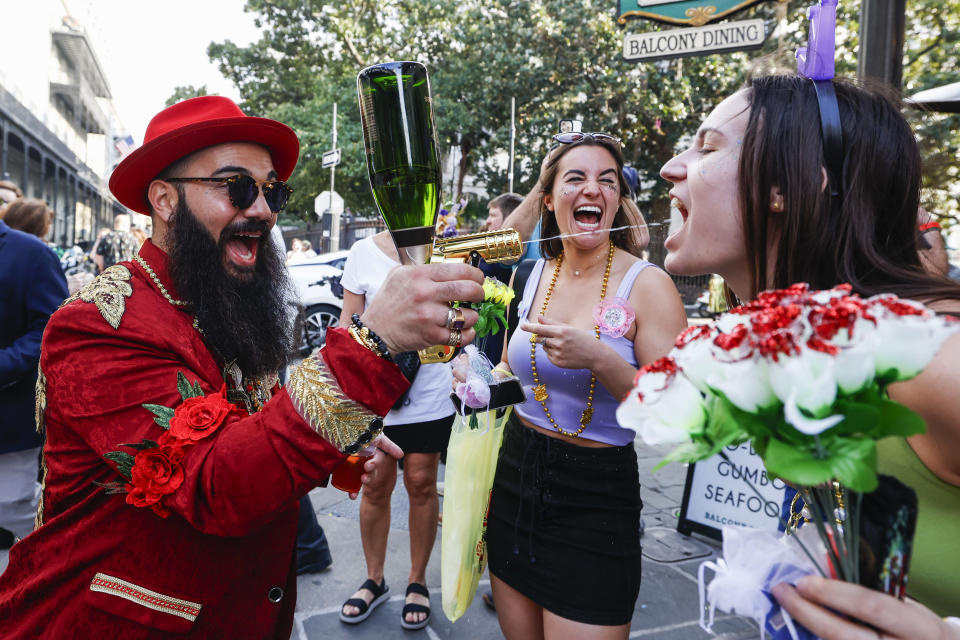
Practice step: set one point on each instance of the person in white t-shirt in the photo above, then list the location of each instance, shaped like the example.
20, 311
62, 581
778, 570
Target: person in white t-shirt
421, 427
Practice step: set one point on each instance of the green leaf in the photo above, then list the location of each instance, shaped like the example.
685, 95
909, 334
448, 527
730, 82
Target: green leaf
853, 462
122, 460
687, 452
144, 444
163, 414
897, 420
796, 465
197, 391
858, 417
183, 386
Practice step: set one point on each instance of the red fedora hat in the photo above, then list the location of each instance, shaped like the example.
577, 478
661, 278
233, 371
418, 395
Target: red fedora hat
189, 126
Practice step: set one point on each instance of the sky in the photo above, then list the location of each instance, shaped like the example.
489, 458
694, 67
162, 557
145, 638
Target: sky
148, 48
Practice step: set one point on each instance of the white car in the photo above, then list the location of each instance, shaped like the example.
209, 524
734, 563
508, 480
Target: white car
317, 283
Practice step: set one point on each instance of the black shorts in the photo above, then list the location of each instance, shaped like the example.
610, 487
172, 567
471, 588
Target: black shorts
564, 525
421, 437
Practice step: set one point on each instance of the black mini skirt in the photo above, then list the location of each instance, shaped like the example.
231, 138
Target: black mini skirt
431, 436
564, 525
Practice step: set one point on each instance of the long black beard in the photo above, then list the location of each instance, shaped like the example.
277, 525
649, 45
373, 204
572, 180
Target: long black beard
244, 319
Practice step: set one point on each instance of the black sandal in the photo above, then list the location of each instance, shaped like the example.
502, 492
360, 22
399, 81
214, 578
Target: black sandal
415, 587
380, 596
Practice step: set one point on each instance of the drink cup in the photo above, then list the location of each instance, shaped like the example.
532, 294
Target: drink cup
346, 475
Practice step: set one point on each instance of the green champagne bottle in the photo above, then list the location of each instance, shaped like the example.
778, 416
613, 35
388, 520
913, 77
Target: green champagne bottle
401, 149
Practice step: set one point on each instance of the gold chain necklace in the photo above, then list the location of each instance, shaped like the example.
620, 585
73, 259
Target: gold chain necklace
163, 289
540, 389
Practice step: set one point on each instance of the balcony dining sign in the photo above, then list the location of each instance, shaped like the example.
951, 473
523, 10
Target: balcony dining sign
702, 38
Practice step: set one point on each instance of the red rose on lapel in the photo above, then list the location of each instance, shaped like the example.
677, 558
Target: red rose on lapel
156, 472
196, 418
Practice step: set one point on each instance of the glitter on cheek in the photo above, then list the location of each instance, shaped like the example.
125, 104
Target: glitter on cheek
565, 191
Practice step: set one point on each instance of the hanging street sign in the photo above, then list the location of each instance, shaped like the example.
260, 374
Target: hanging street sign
674, 43
688, 12
330, 159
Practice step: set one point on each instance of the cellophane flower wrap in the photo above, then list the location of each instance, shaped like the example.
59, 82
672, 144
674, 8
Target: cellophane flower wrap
803, 376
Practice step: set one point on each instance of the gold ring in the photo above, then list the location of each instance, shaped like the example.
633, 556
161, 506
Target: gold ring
451, 317
458, 322
455, 337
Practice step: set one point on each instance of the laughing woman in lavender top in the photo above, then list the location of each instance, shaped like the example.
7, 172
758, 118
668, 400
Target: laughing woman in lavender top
563, 532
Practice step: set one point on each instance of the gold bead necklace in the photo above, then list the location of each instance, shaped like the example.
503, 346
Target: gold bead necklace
163, 289
540, 389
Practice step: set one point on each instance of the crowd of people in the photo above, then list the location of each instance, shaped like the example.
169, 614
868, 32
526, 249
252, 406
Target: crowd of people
175, 464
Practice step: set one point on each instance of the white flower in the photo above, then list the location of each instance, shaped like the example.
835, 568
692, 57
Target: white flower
810, 378
744, 383
663, 406
811, 427
728, 321
906, 343
855, 365
694, 355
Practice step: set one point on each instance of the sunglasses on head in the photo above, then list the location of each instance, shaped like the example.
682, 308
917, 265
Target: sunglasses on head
571, 137
243, 190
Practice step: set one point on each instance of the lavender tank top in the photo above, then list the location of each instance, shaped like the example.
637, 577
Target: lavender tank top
568, 388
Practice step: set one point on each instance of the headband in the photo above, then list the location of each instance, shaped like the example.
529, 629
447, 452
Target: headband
816, 62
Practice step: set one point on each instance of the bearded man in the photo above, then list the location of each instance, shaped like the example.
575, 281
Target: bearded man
174, 461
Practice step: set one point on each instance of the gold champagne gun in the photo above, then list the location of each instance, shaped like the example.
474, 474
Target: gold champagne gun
502, 245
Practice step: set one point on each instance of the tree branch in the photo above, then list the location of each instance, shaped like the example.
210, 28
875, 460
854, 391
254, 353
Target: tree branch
353, 51
926, 50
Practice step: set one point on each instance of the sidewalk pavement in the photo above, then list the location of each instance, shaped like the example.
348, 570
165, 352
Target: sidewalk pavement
667, 608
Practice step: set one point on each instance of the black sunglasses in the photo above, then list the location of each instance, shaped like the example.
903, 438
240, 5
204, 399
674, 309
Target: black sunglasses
243, 190
571, 137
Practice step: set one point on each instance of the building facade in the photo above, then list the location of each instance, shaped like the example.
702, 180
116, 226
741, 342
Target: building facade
58, 127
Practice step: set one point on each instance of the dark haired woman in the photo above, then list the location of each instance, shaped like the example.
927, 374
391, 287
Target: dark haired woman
563, 532
756, 193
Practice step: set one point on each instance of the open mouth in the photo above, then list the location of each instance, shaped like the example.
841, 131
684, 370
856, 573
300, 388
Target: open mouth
588, 217
242, 247
679, 206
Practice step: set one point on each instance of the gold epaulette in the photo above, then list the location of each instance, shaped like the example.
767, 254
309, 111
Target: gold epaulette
108, 292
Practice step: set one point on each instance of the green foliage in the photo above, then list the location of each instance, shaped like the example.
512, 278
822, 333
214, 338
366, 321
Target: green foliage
122, 460
186, 389
185, 92
559, 59
162, 414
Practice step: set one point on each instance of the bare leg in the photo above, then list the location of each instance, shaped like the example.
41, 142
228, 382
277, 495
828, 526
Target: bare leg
520, 617
420, 479
557, 628
375, 527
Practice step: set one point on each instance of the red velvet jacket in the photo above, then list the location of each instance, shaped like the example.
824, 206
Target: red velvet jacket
222, 564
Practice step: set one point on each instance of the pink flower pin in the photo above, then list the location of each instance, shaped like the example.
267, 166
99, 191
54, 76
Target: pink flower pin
614, 316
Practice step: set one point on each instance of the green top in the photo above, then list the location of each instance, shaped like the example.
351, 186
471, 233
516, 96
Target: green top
934, 577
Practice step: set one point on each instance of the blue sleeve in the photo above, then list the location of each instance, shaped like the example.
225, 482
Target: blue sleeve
533, 245
46, 290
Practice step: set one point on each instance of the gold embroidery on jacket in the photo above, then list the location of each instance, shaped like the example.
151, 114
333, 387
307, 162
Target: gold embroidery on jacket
40, 409
107, 291
40, 405
155, 600
318, 398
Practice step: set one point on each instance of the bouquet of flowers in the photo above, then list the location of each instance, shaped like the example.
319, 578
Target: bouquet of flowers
802, 375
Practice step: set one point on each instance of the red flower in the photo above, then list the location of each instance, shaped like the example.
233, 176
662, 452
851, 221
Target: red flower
198, 417
156, 473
